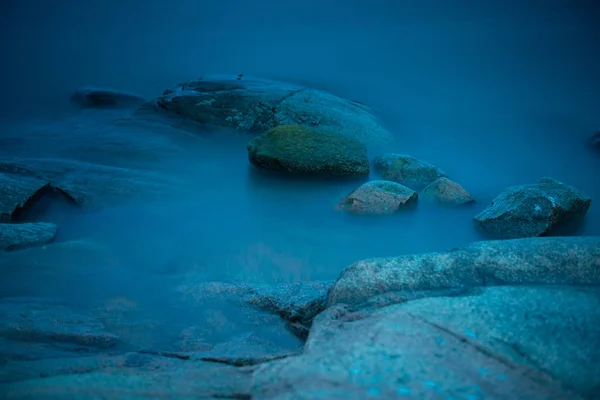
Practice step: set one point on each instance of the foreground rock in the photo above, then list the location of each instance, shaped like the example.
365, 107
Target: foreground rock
378, 197
500, 343
83, 183
19, 192
382, 281
407, 170
445, 191
303, 150
533, 210
257, 105
15, 236
90, 97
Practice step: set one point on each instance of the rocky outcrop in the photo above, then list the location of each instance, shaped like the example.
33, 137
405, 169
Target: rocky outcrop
445, 191
533, 210
18, 193
16, 236
257, 105
378, 197
407, 170
491, 344
302, 150
90, 97
382, 281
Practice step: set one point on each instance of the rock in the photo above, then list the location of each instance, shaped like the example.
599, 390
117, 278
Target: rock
406, 170
89, 97
547, 328
162, 378
595, 140
378, 197
551, 260
35, 320
244, 350
14, 236
257, 105
18, 193
443, 190
87, 184
396, 352
303, 150
294, 303
533, 210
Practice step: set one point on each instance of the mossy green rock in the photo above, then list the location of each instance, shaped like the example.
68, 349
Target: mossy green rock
303, 150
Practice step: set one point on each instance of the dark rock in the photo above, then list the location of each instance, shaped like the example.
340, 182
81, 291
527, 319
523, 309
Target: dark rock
14, 236
28, 320
89, 97
556, 260
398, 352
19, 193
407, 170
257, 105
86, 184
445, 191
378, 197
303, 150
533, 210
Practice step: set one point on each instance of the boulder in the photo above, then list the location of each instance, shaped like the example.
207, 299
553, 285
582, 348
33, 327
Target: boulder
406, 170
378, 197
445, 191
303, 150
90, 97
257, 105
19, 192
15, 236
533, 210
402, 352
549, 260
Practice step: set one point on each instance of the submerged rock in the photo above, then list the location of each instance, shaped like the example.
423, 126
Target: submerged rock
89, 97
378, 197
533, 210
303, 150
445, 191
15, 236
401, 351
406, 170
257, 105
550, 260
18, 193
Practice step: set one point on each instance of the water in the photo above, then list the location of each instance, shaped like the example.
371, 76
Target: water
496, 95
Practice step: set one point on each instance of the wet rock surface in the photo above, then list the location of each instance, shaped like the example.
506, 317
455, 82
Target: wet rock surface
533, 210
560, 260
378, 197
445, 191
18, 193
257, 105
15, 236
407, 170
302, 150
